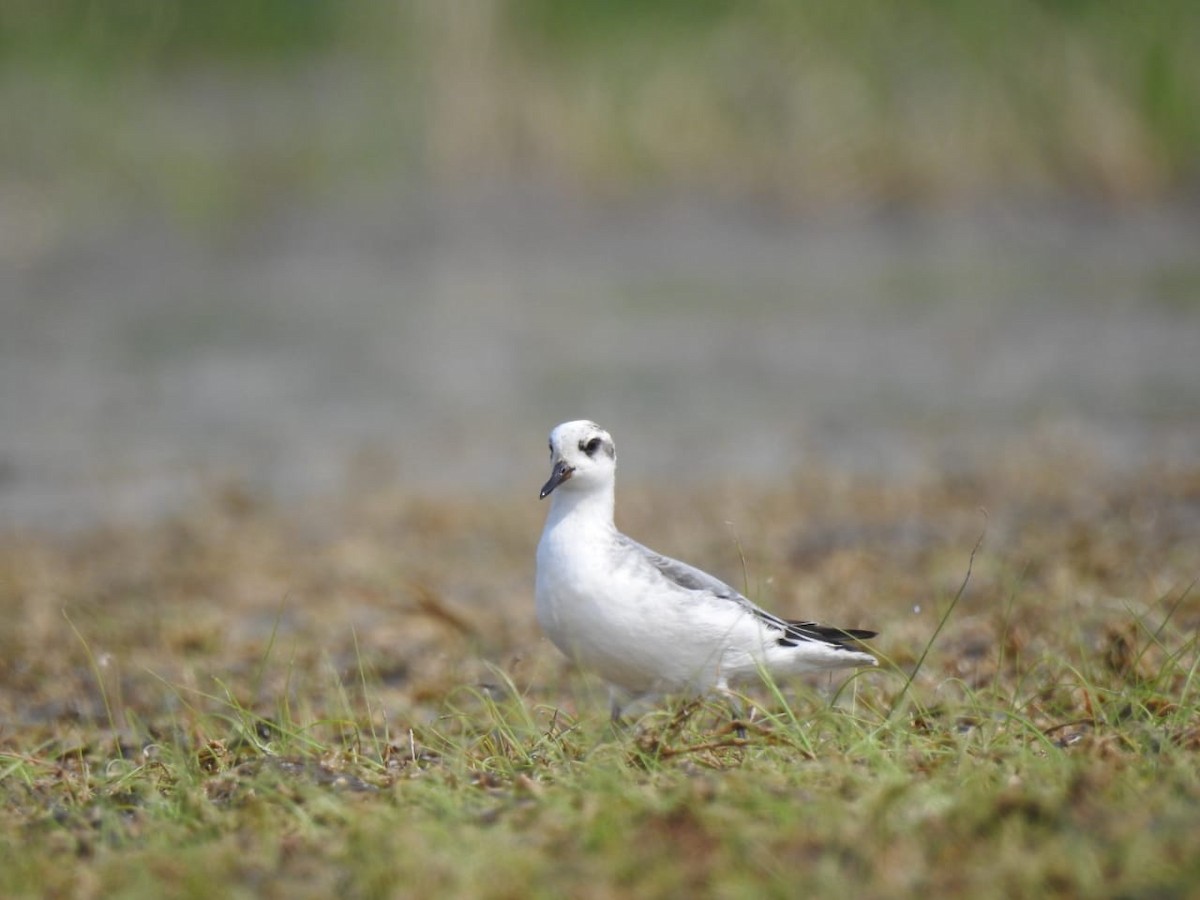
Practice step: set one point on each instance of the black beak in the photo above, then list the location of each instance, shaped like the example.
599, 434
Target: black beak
560, 474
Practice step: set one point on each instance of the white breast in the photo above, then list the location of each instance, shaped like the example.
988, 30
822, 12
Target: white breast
641, 634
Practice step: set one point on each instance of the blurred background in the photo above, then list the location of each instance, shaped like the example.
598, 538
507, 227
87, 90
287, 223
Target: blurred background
311, 247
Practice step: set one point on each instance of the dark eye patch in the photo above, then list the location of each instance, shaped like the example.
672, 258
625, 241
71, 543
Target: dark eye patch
591, 446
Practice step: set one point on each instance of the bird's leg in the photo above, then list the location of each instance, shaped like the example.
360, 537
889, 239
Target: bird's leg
735, 708
615, 705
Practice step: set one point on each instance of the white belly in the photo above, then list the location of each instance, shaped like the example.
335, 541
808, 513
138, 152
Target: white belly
641, 637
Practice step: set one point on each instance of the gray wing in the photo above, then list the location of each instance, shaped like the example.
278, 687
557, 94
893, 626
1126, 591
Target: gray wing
681, 574
692, 579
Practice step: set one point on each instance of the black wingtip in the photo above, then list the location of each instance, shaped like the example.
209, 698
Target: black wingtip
839, 636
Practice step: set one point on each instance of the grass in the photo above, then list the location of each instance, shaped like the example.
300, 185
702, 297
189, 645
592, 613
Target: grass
353, 700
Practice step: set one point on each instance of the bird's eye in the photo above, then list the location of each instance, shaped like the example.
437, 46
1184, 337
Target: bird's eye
591, 446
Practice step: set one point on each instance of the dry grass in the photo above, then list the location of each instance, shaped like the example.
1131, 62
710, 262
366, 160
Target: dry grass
354, 699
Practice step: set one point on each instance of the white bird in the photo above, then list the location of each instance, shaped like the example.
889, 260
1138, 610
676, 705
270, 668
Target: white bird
648, 624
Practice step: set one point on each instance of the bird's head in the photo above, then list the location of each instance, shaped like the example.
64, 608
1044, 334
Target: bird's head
582, 457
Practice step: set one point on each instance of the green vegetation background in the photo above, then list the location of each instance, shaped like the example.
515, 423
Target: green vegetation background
211, 107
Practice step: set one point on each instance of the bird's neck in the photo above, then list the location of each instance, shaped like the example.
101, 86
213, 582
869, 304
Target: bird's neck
591, 508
